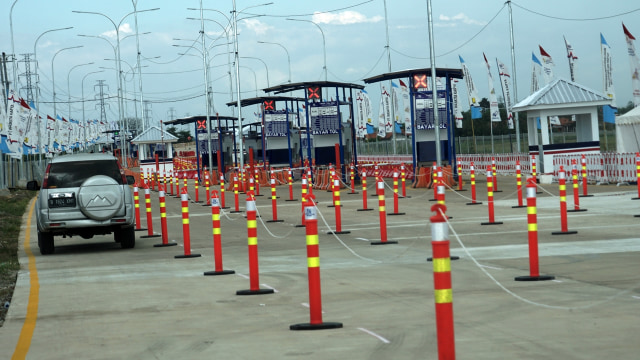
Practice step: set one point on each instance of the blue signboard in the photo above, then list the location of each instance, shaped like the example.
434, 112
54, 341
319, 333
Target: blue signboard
203, 143
324, 118
424, 110
275, 123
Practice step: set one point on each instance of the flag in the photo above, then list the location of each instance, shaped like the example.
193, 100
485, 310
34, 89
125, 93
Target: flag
535, 73
505, 81
457, 109
364, 113
607, 71
493, 99
471, 88
572, 59
547, 66
635, 66
385, 125
397, 120
406, 103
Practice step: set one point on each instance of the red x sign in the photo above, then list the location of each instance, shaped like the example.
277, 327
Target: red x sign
420, 81
314, 92
269, 104
202, 124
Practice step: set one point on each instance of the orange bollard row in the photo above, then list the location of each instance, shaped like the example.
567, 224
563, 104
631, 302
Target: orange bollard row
532, 227
576, 195
304, 191
443, 292
195, 187
207, 190
562, 182
222, 190
364, 192
147, 202
353, 179
519, 185
383, 214
186, 233
395, 193
473, 185
136, 204
336, 201
533, 169
313, 270
495, 175
274, 205
217, 238
637, 175
490, 188
403, 179
460, 176
252, 240
163, 219
290, 183
583, 161
236, 196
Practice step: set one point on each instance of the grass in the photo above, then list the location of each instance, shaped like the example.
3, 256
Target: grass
12, 207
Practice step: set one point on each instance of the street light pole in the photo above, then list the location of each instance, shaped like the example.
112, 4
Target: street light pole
285, 50
84, 120
265, 67
434, 85
69, 86
53, 76
13, 50
324, 46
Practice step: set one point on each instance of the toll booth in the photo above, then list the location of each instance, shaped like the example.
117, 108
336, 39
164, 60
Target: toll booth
219, 137
155, 150
278, 131
328, 120
422, 102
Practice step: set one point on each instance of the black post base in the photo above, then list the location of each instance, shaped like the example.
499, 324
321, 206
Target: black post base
636, 215
167, 244
519, 206
384, 242
274, 221
255, 292
145, 229
364, 210
291, 200
585, 195
564, 232
535, 278
474, 203
399, 213
636, 198
459, 189
222, 272
338, 232
301, 225
577, 210
235, 212
353, 193
492, 223
322, 326
450, 258
433, 199
187, 256
150, 236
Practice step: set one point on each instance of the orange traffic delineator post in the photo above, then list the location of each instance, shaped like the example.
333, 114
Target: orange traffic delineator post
364, 192
236, 196
533, 170
532, 227
490, 199
495, 175
519, 185
576, 195
442, 283
460, 176
441, 202
353, 179
163, 218
186, 233
395, 193
217, 238
176, 181
562, 182
434, 180
473, 185
637, 175
207, 190
337, 207
147, 202
304, 190
583, 161
290, 183
256, 180
252, 238
222, 192
274, 205
313, 271
403, 180
383, 214
195, 187
170, 180
185, 185
136, 205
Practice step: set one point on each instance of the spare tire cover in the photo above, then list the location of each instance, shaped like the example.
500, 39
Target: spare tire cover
100, 197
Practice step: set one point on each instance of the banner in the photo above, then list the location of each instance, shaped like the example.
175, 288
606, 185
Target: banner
385, 125
397, 119
607, 71
547, 66
406, 105
456, 106
471, 88
635, 66
505, 81
493, 99
572, 59
535, 73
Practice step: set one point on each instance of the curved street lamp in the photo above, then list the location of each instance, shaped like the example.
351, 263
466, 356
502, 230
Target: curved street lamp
285, 50
69, 87
53, 76
324, 46
84, 120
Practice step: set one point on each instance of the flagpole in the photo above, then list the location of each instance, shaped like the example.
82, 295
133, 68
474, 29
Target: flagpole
393, 115
432, 55
513, 67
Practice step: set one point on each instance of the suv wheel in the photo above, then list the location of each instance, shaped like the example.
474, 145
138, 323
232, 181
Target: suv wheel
126, 237
45, 243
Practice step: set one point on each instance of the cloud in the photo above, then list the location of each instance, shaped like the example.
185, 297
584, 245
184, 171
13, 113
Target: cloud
257, 26
343, 18
124, 29
461, 17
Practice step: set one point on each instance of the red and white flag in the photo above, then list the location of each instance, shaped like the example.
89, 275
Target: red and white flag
547, 65
571, 56
493, 99
635, 65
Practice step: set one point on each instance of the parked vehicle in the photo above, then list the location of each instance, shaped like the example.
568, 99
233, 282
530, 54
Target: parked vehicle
85, 195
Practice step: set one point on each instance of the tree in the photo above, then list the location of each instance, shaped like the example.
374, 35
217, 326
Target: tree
184, 136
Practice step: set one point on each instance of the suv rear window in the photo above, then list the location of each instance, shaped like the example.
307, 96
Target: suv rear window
73, 174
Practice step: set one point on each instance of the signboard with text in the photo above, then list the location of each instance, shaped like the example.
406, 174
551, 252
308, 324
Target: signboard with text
275, 123
324, 118
424, 118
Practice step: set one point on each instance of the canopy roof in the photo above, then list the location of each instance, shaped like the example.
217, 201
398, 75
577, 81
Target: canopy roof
561, 93
440, 72
261, 99
278, 89
153, 135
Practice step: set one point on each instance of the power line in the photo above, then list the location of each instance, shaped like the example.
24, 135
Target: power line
575, 19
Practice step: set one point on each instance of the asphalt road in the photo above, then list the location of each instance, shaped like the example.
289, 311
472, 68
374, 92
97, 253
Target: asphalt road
94, 300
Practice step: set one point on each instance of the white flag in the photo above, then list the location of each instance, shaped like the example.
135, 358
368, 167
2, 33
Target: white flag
493, 99
535, 73
505, 81
571, 56
457, 108
635, 66
607, 71
547, 66
406, 103
471, 88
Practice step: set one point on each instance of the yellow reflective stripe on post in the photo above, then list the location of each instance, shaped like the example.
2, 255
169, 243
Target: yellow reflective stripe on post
163, 215
442, 265
253, 240
185, 221
532, 210
337, 202
563, 187
563, 198
162, 204
312, 239
382, 208
251, 224
490, 193
532, 227
444, 296
216, 231
380, 197
215, 217
185, 210
313, 262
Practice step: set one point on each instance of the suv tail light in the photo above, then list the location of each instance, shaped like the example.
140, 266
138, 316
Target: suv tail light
45, 180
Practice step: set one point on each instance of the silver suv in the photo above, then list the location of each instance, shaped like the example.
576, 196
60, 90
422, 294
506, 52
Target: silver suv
85, 195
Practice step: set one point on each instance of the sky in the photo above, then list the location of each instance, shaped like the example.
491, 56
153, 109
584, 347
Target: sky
355, 46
